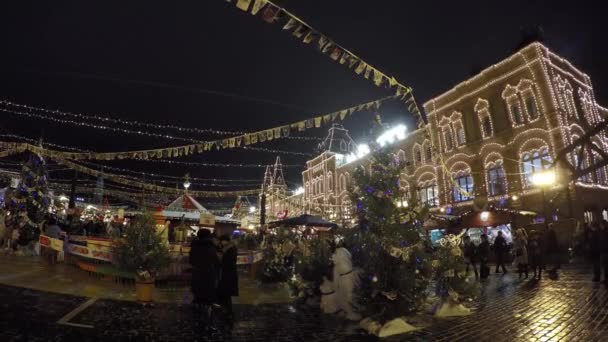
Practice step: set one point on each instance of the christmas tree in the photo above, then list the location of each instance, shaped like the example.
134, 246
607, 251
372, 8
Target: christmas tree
389, 244
30, 201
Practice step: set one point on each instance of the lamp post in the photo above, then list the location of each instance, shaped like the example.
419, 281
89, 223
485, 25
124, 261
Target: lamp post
544, 180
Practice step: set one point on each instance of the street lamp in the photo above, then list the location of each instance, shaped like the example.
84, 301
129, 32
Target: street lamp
544, 179
252, 209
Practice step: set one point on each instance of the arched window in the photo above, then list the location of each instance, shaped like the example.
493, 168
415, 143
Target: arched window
330, 182
462, 186
428, 193
417, 154
530, 104
482, 107
534, 161
497, 182
459, 131
514, 107
343, 185
448, 138
428, 154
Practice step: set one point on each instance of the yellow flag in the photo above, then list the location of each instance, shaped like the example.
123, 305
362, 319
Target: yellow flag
378, 77
318, 121
243, 4
360, 68
343, 114
257, 6
368, 71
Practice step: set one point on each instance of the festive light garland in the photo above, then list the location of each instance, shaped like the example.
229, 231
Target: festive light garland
109, 120
155, 175
240, 141
102, 127
202, 164
138, 184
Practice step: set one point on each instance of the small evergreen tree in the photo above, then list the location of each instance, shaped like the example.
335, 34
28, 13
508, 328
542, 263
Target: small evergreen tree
29, 202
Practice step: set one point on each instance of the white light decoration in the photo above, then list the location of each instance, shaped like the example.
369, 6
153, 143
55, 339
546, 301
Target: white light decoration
515, 197
362, 151
484, 215
544, 178
187, 184
299, 191
252, 209
392, 135
91, 207
63, 198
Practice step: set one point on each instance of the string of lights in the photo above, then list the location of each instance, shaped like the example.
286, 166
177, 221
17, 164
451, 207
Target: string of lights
44, 143
262, 149
102, 127
155, 175
109, 120
202, 164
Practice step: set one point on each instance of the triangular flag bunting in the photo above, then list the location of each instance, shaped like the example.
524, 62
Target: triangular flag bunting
257, 6
243, 4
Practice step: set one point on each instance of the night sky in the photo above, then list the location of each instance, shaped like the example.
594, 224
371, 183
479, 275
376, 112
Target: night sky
207, 64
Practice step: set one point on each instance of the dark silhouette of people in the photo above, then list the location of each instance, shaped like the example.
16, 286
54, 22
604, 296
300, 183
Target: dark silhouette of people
551, 248
470, 256
483, 254
205, 273
500, 249
535, 254
229, 280
598, 250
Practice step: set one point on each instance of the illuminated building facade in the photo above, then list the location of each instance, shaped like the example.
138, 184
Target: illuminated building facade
488, 135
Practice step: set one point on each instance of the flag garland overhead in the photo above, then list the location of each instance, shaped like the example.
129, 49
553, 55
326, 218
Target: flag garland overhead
272, 13
243, 140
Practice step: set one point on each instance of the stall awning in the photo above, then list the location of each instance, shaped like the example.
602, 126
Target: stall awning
493, 218
304, 220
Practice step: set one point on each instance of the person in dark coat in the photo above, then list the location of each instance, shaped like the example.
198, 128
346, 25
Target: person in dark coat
229, 279
535, 253
483, 254
205, 270
500, 249
551, 245
470, 256
595, 250
604, 248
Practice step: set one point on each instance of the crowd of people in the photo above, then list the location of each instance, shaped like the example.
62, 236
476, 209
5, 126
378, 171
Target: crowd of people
532, 251
214, 275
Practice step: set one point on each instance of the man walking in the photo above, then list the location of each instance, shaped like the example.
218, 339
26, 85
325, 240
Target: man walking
229, 279
500, 249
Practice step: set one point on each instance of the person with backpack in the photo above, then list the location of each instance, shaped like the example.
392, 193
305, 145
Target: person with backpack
470, 256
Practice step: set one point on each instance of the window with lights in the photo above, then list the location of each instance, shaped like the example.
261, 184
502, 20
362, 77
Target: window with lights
483, 114
460, 135
534, 161
462, 187
428, 194
448, 139
497, 182
428, 154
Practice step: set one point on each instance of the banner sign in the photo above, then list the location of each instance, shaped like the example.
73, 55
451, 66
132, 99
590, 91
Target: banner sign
250, 258
54, 244
90, 252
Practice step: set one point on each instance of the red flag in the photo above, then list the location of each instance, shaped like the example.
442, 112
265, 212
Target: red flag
270, 14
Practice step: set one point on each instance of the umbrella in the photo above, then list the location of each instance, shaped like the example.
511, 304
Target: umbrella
305, 220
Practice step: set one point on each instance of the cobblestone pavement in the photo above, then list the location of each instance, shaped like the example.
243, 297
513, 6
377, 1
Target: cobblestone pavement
570, 308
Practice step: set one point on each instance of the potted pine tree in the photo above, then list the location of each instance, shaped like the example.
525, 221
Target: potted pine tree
142, 252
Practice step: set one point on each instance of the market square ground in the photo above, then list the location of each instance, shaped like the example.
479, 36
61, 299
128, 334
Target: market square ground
570, 308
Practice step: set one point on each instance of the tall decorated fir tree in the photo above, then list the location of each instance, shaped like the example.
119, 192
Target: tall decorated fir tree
30, 201
388, 244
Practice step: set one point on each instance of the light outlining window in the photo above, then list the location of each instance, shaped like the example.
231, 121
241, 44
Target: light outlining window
417, 152
495, 178
462, 186
459, 131
448, 138
534, 161
482, 108
428, 193
428, 153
